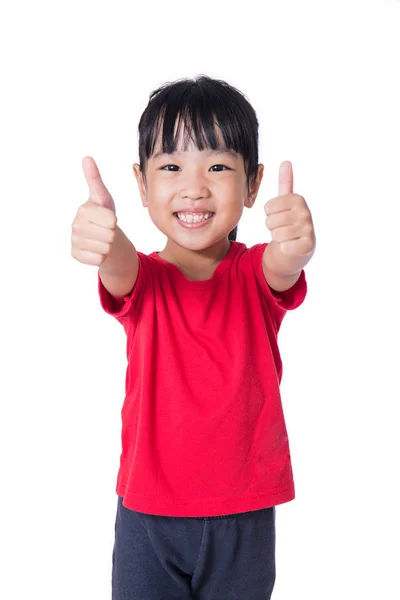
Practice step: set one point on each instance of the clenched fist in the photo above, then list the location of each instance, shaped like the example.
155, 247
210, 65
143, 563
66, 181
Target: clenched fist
93, 229
289, 218
292, 230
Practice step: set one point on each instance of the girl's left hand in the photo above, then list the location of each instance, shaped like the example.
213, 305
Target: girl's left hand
289, 219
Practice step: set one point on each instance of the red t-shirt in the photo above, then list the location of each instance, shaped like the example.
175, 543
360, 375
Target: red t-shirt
203, 430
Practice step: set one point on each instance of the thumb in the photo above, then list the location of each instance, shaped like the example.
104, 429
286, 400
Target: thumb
285, 179
98, 192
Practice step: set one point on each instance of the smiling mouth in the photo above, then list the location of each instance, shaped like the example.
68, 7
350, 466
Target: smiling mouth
194, 220
194, 217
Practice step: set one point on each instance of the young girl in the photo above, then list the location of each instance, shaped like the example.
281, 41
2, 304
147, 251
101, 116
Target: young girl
205, 453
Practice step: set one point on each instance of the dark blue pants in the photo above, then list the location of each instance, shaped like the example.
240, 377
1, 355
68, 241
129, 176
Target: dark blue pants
203, 558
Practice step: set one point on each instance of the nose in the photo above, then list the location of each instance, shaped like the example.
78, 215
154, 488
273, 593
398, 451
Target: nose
194, 187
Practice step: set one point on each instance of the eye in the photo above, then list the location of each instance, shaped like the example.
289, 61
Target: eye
225, 167
173, 170
165, 167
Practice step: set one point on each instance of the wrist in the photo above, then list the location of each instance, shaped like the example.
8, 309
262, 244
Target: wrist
281, 265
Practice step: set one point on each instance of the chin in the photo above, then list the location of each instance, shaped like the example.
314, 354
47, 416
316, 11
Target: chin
192, 239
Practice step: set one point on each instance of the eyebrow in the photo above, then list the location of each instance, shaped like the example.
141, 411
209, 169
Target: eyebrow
218, 151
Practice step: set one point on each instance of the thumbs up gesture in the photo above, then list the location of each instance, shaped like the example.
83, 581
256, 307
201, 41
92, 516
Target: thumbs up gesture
292, 230
94, 227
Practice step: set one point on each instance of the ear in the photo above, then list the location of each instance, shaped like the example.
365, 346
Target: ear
141, 184
254, 187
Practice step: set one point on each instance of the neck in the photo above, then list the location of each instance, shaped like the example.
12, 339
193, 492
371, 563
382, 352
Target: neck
202, 259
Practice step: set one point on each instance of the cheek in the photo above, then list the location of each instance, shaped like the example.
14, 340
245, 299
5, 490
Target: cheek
164, 184
159, 193
229, 192
159, 200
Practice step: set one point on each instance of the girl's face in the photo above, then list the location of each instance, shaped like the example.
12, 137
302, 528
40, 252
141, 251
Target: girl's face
194, 181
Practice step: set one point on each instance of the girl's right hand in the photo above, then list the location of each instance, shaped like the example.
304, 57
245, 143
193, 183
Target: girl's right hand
94, 227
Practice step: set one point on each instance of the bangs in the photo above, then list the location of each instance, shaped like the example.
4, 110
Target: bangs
197, 109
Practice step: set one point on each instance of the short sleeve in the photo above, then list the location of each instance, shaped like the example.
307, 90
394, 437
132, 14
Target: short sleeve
287, 300
127, 306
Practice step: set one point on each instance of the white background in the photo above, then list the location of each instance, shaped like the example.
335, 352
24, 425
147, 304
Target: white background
322, 77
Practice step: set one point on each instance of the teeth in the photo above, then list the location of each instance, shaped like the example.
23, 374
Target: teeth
193, 217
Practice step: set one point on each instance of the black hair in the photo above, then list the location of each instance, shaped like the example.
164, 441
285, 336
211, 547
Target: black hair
199, 102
